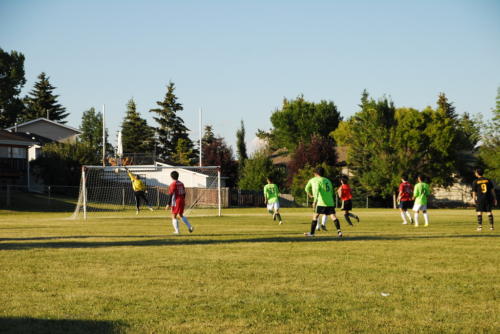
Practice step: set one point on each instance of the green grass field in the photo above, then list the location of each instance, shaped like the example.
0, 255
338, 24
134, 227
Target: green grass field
242, 273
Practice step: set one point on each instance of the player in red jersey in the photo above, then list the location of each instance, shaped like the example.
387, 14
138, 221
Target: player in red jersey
344, 192
404, 198
176, 200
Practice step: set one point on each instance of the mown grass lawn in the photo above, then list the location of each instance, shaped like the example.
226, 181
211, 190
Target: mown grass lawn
242, 273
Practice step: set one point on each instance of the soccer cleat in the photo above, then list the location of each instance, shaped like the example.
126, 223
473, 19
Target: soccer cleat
426, 224
176, 233
492, 228
479, 228
191, 229
308, 234
281, 222
136, 212
150, 209
416, 224
357, 218
323, 227
339, 234
404, 223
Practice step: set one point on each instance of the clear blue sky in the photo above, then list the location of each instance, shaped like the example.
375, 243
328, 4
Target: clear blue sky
238, 59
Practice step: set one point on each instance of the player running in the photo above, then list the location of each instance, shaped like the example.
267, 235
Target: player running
175, 200
271, 199
321, 189
139, 191
483, 193
404, 199
344, 192
420, 194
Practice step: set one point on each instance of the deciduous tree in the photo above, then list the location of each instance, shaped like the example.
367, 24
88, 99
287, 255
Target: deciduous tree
12, 81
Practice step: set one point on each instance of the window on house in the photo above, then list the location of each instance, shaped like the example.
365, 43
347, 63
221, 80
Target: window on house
19, 152
4, 152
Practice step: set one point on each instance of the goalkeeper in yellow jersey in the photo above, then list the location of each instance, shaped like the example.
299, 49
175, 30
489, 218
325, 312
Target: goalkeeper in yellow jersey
271, 199
139, 191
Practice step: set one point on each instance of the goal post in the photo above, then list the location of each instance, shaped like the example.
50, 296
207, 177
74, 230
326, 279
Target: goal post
106, 191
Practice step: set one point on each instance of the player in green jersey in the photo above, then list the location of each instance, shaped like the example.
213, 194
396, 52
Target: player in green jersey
271, 199
321, 189
420, 194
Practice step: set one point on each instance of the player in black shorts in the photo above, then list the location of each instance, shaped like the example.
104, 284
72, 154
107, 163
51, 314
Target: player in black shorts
483, 193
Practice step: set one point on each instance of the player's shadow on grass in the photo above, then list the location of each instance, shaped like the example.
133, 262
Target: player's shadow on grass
200, 240
56, 326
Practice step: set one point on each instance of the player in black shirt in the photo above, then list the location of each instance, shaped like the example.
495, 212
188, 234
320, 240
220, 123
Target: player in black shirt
483, 193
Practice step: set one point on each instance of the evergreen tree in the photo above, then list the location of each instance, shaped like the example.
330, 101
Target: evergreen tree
371, 154
446, 107
241, 147
137, 136
171, 129
11, 82
41, 102
208, 137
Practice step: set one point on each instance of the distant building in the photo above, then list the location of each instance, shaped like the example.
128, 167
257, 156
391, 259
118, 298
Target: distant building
14, 166
48, 129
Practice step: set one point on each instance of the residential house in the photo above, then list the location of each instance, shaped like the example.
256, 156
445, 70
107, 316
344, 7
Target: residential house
14, 166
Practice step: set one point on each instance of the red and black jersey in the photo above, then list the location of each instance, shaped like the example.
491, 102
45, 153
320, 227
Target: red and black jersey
405, 191
345, 192
176, 191
483, 187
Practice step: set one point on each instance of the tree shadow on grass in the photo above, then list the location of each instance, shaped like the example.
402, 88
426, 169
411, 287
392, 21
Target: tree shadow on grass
58, 326
182, 240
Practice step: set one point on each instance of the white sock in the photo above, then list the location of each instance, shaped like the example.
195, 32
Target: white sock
186, 221
175, 223
416, 218
426, 218
408, 215
323, 220
404, 217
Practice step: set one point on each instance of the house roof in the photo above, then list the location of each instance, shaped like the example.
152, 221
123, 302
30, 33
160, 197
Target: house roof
8, 138
41, 119
33, 137
283, 157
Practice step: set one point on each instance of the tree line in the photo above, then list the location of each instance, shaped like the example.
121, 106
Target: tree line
382, 141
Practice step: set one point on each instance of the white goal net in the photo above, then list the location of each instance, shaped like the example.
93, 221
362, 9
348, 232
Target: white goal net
107, 191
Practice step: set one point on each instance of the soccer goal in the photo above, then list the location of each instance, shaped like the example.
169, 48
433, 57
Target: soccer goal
107, 191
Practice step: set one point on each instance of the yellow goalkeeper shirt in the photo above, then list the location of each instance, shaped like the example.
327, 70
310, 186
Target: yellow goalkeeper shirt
137, 184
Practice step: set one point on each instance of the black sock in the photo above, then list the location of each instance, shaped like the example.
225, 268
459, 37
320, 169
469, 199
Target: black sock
279, 216
313, 226
346, 216
490, 219
480, 220
337, 224
353, 215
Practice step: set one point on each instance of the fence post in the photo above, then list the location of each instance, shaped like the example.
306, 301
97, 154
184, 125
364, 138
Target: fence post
123, 198
8, 196
367, 202
49, 197
157, 197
